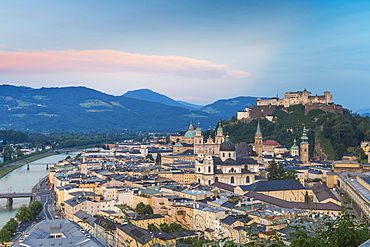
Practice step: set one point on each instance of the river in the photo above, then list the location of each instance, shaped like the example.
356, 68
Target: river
22, 180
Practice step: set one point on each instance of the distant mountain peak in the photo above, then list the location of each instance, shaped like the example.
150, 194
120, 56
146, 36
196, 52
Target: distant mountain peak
150, 95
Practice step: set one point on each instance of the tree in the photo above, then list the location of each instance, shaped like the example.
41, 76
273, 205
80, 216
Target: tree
11, 226
158, 159
4, 235
36, 208
24, 214
149, 157
152, 227
164, 227
344, 231
281, 171
273, 172
290, 174
143, 209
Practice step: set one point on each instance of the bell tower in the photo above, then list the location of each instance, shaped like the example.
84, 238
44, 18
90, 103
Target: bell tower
198, 140
258, 146
304, 146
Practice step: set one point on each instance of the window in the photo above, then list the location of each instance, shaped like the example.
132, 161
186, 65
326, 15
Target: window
216, 179
232, 180
247, 180
209, 168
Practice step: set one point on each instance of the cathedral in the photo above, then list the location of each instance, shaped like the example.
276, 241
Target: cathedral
224, 165
193, 139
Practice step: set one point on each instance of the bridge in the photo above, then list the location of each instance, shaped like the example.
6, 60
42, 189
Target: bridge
9, 196
37, 164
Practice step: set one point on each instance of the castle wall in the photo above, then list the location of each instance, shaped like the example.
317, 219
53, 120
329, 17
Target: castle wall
338, 109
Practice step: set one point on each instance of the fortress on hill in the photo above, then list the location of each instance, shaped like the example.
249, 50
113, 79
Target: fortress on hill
295, 98
265, 108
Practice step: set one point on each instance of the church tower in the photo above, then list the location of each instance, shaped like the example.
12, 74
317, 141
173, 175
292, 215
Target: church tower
144, 148
294, 150
304, 146
219, 138
198, 140
258, 146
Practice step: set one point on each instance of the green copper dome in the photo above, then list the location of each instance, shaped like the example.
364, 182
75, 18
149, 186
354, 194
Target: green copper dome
295, 146
198, 128
191, 132
219, 128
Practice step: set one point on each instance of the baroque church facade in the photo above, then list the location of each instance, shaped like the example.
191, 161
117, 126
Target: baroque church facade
224, 165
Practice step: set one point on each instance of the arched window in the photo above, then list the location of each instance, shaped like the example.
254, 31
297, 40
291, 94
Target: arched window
232, 180
232, 169
209, 181
198, 169
229, 155
223, 154
198, 180
209, 169
216, 179
247, 180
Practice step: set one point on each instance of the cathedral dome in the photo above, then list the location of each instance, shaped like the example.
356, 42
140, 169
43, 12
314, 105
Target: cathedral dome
227, 145
189, 134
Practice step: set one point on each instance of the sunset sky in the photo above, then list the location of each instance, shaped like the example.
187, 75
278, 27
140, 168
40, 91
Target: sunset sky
196, 51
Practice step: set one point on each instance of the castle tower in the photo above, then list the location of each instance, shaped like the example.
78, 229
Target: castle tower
219, 138
328, 97
294, 150
258, 146
304, 146
198, 140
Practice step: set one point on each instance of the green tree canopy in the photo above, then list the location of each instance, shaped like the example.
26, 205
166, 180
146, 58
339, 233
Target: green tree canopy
24, 214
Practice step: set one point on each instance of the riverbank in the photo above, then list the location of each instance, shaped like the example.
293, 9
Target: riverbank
12, 166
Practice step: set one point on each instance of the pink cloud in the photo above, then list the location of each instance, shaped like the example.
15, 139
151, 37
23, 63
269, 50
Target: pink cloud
110, 61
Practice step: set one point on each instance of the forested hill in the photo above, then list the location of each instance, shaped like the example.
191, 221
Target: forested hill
331, 135
85, 109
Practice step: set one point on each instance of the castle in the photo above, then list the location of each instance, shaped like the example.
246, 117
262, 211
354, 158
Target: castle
265, 108
295, 98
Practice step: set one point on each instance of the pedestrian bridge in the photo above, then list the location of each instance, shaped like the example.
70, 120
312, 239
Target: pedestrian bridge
9, 196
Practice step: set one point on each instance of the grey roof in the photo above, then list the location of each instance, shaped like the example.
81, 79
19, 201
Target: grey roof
299, 205
85, 217
223, 186
41, 232
322, 192
139, 234
272, 185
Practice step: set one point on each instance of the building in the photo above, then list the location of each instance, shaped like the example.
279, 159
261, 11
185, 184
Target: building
193, 141
258, 143
288, 190
304, 147
226, 168
61, 232
295, 98
346, 165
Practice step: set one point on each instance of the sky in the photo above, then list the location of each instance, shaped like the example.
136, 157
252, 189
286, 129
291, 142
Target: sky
197, 51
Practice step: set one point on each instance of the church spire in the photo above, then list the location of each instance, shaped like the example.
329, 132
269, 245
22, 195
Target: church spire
304, 137
258, 132
198, 128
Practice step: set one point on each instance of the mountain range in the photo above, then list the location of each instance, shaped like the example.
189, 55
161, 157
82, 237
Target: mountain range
85, 109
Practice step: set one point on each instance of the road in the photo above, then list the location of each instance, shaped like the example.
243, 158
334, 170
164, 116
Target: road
47, 199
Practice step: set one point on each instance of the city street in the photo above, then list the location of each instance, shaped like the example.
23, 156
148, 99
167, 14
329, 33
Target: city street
45, 196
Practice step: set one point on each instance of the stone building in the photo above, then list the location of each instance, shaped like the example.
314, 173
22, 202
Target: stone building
227, 167
295, 98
